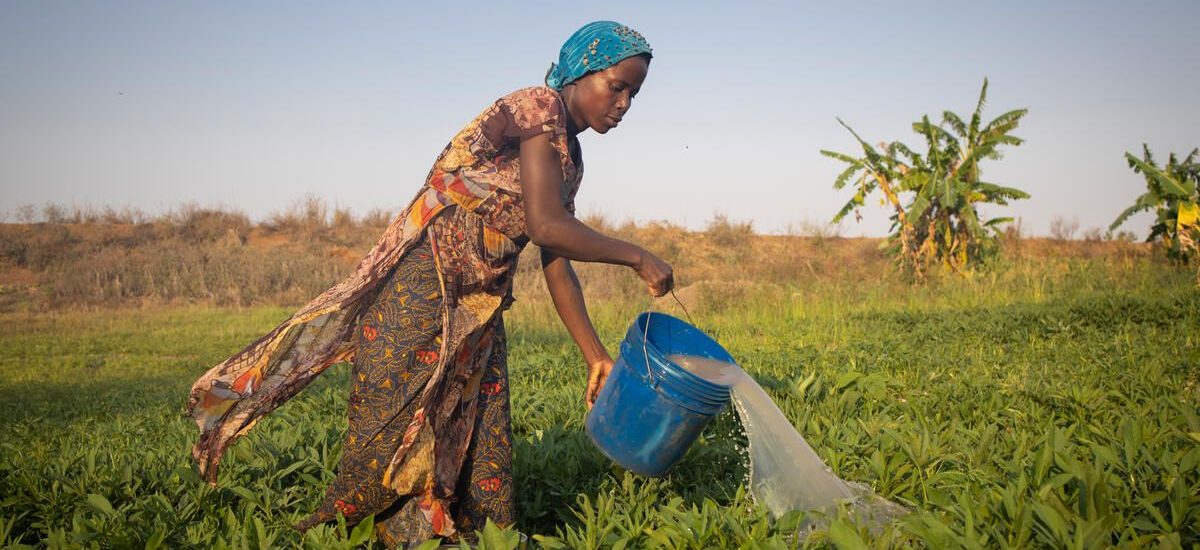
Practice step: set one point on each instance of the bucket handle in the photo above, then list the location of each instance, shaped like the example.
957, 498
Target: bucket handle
646, 334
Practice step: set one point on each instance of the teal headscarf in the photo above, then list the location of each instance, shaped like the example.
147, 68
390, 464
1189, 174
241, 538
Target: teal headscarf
594, 47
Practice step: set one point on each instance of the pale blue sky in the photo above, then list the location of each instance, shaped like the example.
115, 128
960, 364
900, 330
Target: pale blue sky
255, 104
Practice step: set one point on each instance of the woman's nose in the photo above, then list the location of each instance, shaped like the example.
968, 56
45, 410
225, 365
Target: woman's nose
623, 101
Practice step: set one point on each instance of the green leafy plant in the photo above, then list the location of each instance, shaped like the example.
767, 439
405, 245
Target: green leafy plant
1173, 193
935, 196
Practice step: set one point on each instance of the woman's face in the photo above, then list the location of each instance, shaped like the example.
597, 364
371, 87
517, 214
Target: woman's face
599, 100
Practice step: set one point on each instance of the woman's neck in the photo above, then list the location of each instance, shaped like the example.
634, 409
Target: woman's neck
574, 124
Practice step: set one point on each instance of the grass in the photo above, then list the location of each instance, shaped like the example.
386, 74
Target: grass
1039, 403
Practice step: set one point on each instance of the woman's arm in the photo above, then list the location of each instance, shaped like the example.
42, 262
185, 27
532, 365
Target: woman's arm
552, 228
563, 238
568, 301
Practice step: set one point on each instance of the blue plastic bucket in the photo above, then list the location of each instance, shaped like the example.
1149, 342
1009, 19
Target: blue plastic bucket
650, 412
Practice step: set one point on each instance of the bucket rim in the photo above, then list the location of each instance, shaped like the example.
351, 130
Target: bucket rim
703, 389
671, 374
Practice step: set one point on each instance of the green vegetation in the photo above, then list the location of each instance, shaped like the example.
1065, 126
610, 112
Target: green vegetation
1051, 400
935, 196
1173, 193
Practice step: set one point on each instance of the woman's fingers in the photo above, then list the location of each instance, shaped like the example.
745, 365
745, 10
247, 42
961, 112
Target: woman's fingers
589, 394
597, 375
657, 274
593, 387
662, 284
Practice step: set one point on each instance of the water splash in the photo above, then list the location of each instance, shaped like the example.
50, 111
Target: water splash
786, 474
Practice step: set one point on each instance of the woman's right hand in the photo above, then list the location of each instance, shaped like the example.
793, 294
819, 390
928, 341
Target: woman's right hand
657, 274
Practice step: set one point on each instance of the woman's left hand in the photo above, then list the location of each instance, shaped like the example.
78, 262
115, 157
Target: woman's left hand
597, 375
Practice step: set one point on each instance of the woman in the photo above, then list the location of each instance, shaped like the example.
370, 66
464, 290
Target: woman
428, 449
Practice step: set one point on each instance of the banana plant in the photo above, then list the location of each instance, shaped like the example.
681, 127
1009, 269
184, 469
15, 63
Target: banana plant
1173, 193
934, 196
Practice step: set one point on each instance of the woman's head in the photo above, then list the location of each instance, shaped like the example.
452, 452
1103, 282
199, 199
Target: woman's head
600, 69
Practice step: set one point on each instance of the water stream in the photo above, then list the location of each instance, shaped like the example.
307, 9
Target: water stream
785, 472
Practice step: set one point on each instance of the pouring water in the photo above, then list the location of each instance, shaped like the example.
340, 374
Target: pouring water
786, 474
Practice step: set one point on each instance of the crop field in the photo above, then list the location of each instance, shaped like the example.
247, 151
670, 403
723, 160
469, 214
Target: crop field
1048, 405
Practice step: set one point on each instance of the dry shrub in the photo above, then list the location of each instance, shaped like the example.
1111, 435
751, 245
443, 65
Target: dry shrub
1123, 235
126, 215
819, 232
194, 224
309, 215
343, 219
1063, 230
377, 218
343, 228
26, 214
37, 247
14, 245
54, 213
111, 216
723, 232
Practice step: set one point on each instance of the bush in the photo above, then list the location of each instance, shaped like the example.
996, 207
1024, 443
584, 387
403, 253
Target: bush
195, 225
1063, 230
377, 217
723, 232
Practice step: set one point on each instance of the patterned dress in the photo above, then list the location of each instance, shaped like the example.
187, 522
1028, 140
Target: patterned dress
429, 445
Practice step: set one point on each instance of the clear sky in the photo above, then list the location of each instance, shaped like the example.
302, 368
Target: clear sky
254, 104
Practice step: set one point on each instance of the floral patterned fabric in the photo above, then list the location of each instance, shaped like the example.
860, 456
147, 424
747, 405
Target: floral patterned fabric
470, 211
397, 347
